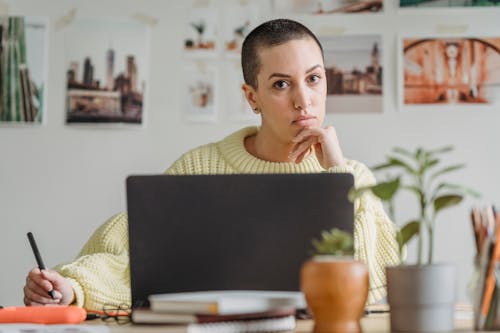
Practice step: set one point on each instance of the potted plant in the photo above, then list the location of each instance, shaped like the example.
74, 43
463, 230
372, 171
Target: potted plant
334, 284
421, 296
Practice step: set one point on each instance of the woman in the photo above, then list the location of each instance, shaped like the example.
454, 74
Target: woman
285, 83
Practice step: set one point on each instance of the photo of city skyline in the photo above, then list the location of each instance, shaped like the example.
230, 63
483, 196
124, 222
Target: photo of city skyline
324, 7
448, 3
353, 67
105, 71
451, 70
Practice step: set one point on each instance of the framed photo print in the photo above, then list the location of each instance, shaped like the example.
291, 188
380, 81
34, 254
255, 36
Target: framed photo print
106, 68
449, 71
353, 65
201, 33
200, 93
239, 20
325, 7
447, 3
23, 69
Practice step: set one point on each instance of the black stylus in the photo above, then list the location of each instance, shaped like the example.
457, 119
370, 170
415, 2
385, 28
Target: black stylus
38, 257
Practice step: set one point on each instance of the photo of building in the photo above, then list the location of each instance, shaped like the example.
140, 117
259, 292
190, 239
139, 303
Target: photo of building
354, 73
448, 3
451, 70
106, 86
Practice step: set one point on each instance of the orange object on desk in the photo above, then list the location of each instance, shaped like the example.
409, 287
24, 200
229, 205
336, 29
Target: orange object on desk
43, 314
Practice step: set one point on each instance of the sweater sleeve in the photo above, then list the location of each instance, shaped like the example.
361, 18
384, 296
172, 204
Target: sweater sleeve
100, 273
374, 233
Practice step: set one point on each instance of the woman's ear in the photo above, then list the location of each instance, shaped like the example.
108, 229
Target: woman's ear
250, 95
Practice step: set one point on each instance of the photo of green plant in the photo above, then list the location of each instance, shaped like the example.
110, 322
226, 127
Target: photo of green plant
22, 69
449, 3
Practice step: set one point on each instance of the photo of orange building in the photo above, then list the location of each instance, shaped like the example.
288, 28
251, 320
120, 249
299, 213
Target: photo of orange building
451, 70
325, 7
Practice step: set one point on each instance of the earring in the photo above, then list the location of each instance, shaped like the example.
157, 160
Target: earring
256, 110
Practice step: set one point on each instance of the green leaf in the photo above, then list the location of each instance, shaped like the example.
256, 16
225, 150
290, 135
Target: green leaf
382, 166
403, 151
440, 150
400, 163
418, 154
334, 242
446, 170
386, 190
456, 187
430, 163
445, 201
413, 189
408, 231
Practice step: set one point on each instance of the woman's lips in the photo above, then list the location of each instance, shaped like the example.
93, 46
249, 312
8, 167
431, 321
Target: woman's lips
304, 120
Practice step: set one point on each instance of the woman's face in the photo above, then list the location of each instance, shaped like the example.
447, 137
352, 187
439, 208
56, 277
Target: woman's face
291, 92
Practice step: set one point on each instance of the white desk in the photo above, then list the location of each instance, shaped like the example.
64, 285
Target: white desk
376, 323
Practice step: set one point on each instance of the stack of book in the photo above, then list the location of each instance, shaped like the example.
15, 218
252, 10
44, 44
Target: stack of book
486, 227
222, 311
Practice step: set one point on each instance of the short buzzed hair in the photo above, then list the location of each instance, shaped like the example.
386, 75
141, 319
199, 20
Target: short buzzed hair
268, 34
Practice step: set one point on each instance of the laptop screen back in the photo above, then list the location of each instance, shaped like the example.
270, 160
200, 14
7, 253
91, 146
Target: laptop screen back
229, 232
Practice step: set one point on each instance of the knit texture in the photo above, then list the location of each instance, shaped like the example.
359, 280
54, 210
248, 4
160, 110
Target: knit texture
100, 274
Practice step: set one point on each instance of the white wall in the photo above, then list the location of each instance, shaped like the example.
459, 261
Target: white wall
61, 182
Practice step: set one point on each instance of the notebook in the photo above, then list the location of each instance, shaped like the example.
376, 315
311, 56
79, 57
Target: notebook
228, 232
150, 316
225, 302
264, 325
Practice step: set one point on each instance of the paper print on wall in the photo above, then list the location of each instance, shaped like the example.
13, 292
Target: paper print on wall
353, 67
448, 3
200, 93
23, 66
451, 70
239, 20
321, 7
106, 66
237, 105
201, 32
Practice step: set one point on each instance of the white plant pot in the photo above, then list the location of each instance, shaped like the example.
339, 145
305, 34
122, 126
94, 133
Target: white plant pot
422, 298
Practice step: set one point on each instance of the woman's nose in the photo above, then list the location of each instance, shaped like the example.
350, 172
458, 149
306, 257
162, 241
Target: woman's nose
301, 98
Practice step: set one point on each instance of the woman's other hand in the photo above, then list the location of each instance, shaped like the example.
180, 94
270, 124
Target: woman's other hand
39, 283
325, 143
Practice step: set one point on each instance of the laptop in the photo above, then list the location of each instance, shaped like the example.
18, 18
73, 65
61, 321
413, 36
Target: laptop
229, 232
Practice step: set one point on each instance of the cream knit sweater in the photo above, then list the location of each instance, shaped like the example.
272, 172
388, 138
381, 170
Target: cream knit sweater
100, 273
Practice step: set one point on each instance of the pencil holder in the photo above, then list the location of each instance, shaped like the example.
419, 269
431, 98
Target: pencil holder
486, 313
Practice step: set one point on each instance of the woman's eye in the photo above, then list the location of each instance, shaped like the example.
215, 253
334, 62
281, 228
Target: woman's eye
314, 78
281, 84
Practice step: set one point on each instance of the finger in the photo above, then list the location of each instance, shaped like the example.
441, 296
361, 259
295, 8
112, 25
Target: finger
57, 283
41, 286
37, 276
52, 276
29, 302
45, 281
301, 157
306, 132
302, 148
35, 295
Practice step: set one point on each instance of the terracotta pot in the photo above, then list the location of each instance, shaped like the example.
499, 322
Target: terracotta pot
336, 290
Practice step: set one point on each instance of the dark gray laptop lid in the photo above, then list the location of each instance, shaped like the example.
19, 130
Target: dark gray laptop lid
229, 232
